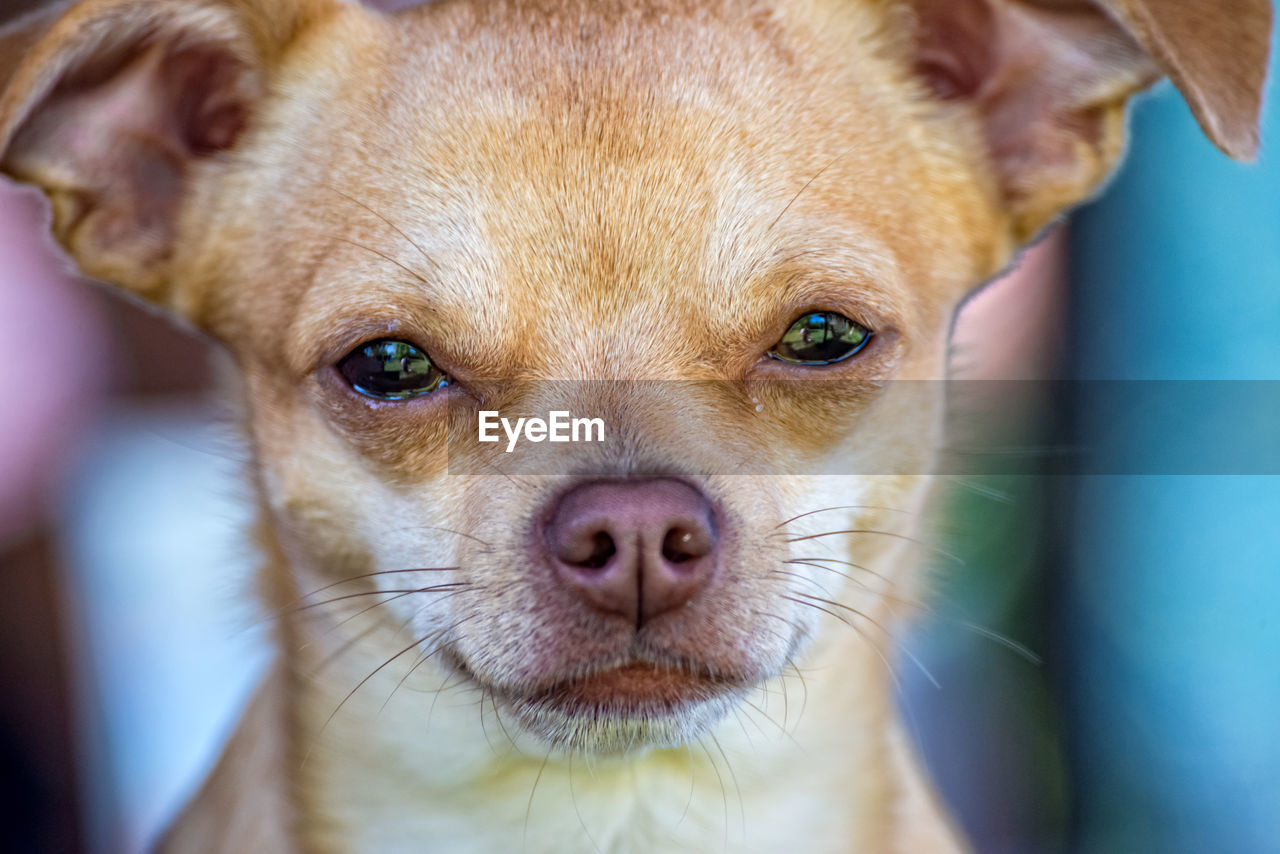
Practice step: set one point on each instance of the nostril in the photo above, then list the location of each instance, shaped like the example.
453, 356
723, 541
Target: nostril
683, 544
587, 547
602, 549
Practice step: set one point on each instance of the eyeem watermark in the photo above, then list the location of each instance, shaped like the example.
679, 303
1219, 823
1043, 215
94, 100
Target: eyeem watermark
1107, 427
560, 426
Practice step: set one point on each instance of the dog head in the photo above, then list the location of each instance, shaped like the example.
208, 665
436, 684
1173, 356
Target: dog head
722, 228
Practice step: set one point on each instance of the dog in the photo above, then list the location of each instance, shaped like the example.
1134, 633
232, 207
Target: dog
724, 229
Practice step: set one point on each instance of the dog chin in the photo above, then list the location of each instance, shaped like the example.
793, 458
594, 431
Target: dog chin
623, 710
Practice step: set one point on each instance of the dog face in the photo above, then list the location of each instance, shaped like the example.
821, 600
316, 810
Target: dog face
722, 229
500, 265
640, 222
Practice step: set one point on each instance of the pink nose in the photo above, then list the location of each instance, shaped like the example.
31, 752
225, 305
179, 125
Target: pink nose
635, 548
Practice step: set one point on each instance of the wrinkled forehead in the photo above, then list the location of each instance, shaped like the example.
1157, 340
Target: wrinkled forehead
496, 163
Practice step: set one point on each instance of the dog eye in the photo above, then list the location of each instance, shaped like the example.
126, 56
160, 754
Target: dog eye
391, 370
821, 338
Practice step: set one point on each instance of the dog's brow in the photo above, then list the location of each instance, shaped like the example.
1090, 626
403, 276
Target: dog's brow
395, 227
384, 256
806, 186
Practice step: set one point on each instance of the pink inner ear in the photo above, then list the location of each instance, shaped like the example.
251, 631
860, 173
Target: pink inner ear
167, 104
205, 85
190, 101
956, 42
86, 128
114, 142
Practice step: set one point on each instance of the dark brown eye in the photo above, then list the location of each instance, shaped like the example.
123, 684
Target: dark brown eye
821, 338
391, 370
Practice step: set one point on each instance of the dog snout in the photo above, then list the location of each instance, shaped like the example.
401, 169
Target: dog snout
634, 548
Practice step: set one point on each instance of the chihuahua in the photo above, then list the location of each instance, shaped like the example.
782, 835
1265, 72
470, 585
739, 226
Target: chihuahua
717, 228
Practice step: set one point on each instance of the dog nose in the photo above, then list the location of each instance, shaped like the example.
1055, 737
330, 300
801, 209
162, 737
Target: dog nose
635, 548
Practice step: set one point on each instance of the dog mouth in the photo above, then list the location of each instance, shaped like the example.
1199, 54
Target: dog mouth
634, 688
633, 705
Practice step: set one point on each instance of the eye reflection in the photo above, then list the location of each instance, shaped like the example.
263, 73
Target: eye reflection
821, 338
392, 370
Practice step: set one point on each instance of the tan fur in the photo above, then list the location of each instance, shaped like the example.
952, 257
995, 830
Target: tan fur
567, 190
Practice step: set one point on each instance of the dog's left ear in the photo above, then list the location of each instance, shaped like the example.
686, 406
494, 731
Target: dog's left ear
1049, 80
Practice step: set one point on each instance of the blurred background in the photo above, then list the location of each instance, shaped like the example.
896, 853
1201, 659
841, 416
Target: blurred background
1101, 672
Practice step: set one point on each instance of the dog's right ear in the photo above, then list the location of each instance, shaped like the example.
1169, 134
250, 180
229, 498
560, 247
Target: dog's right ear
109, 105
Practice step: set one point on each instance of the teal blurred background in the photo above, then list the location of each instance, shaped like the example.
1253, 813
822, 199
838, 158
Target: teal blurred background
1150, 719
1167, 607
